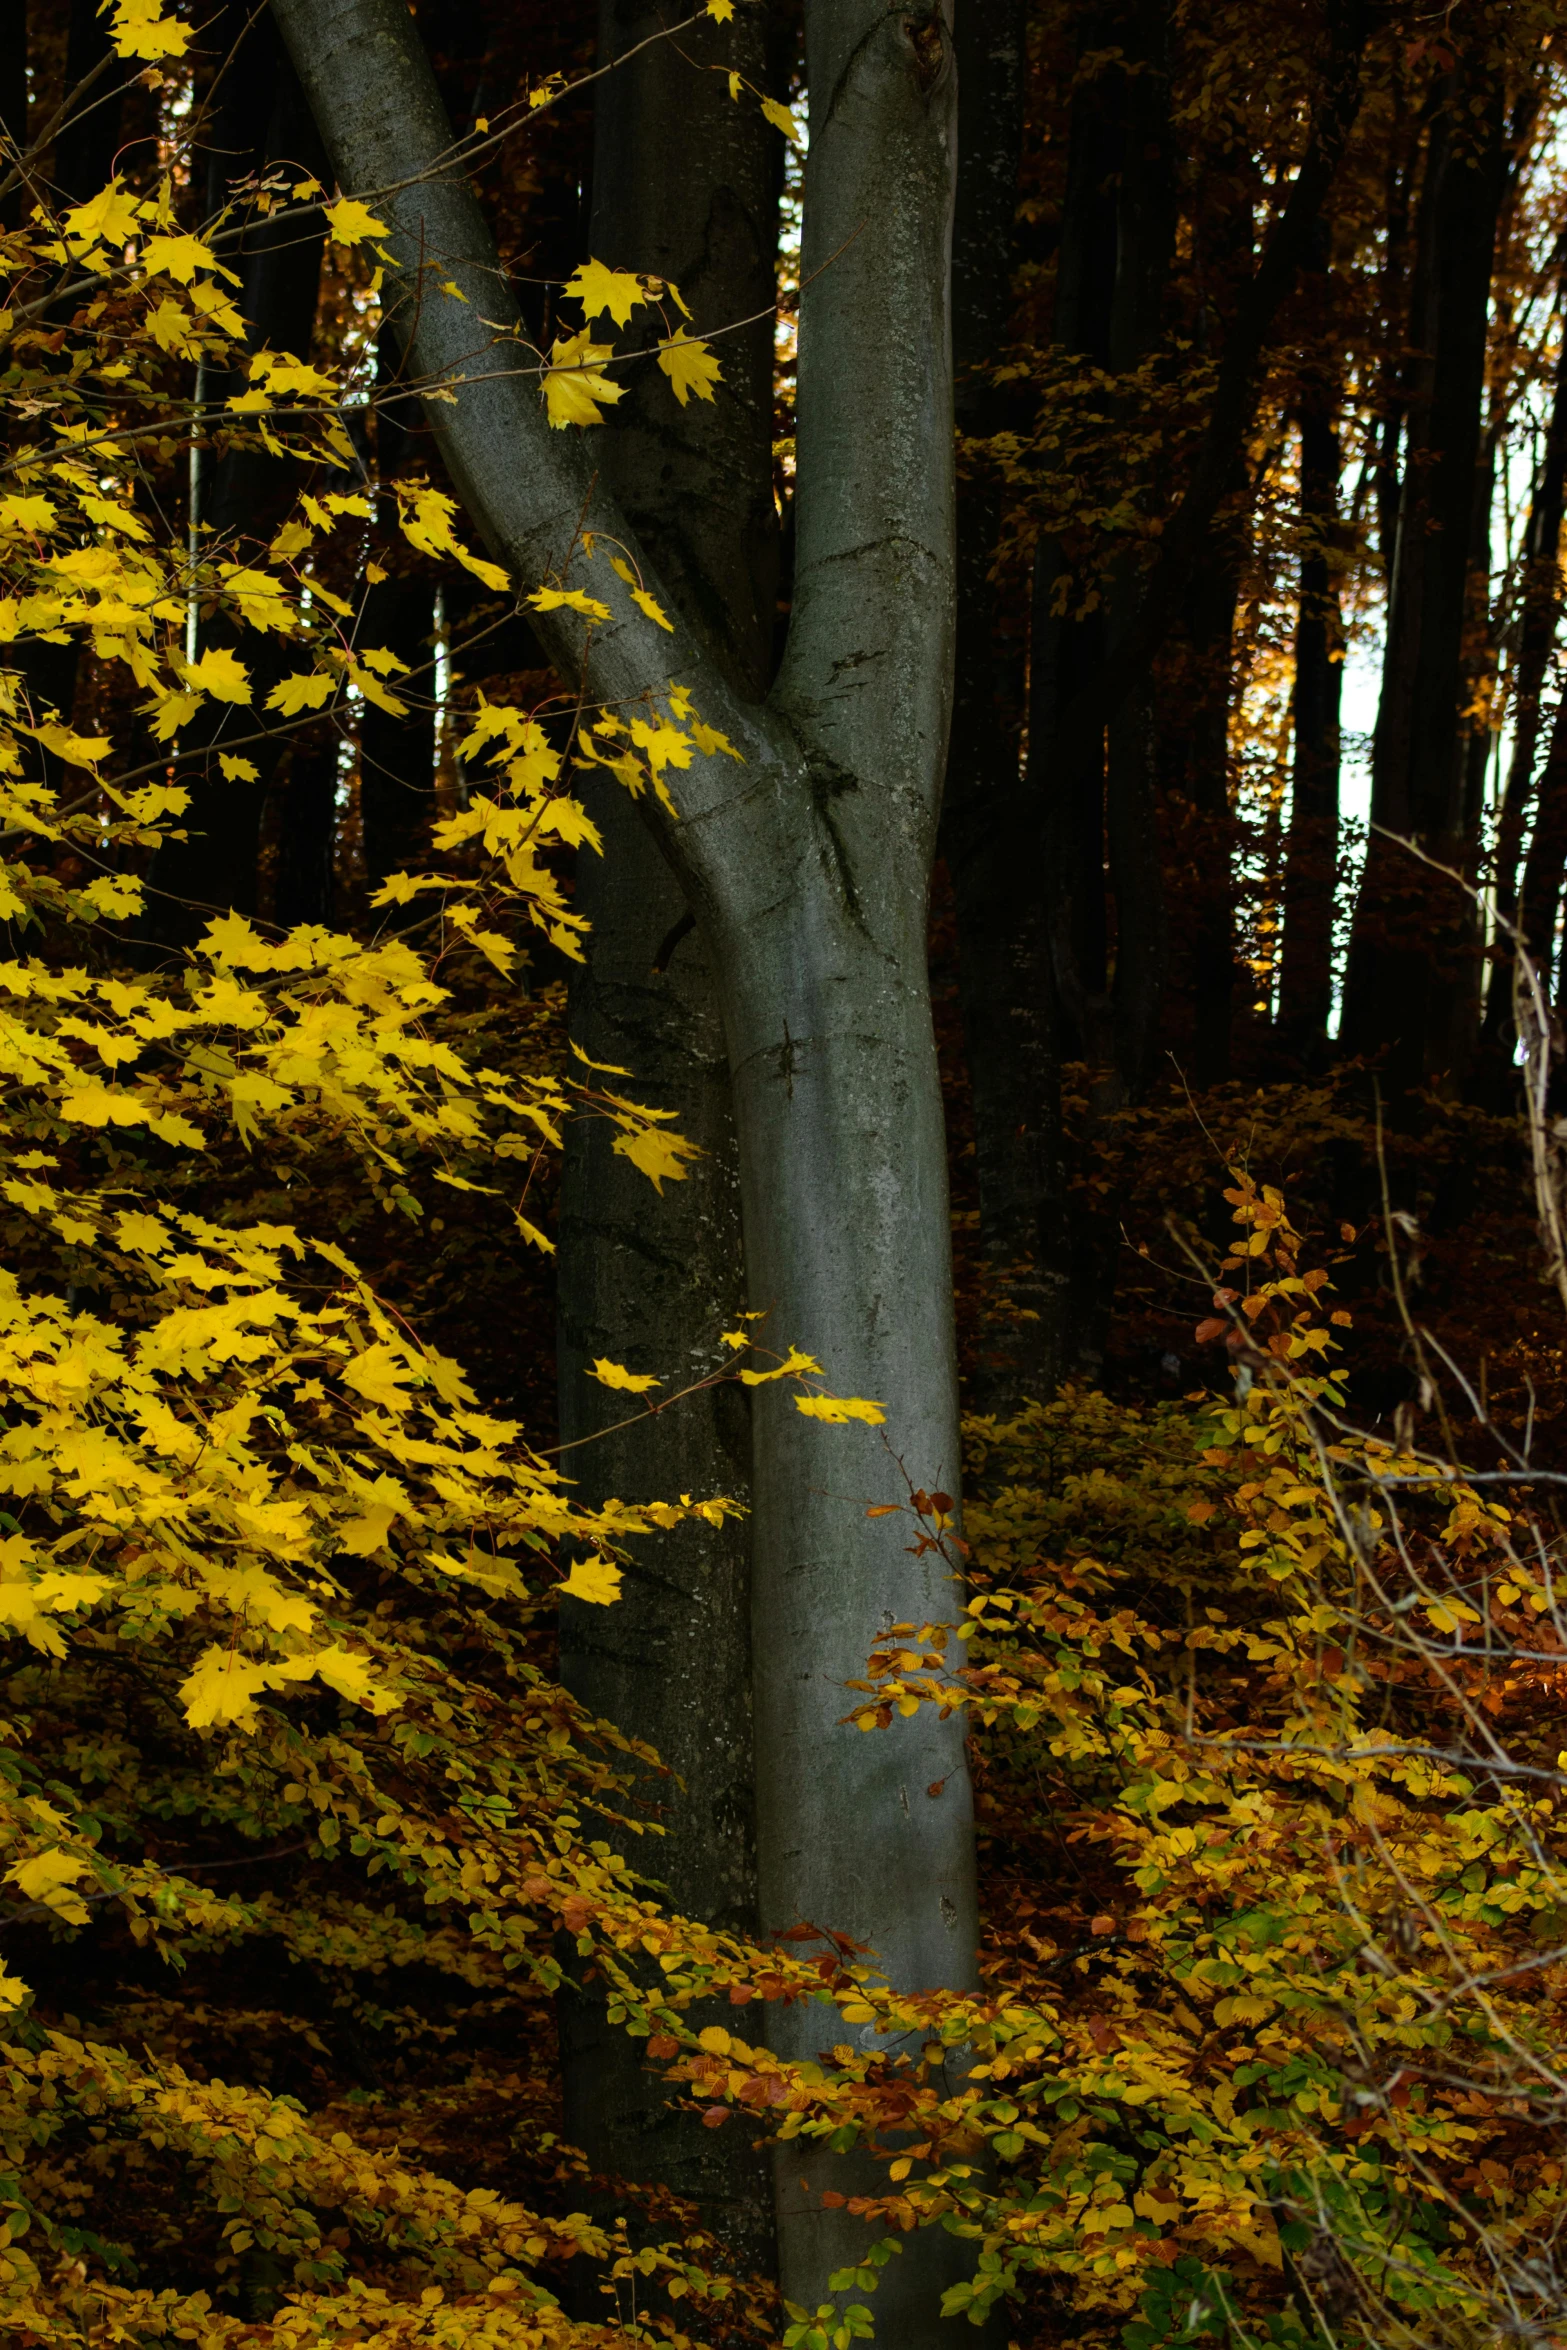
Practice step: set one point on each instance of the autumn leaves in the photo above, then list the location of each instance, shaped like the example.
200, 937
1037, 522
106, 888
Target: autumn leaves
576, 391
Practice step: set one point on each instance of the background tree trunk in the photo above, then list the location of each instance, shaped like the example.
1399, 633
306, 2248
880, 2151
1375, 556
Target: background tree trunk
1536, 635
655, 1289
397, 755
993, 815
1409, 931
1311, 867
245, 491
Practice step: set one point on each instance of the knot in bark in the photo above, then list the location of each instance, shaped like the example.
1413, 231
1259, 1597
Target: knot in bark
926, 36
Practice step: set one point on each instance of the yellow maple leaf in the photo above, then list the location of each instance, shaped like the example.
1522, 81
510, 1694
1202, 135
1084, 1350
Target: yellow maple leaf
658, 1156
298, 693
595, 1580
172, 328
140, 31
220, 673
78, 750
639, 595
351, 223
380, 1375
610, 1374
599, 289
26, 513
114, 517
282, 372
221, 1686
352, 1676
259, 597
141, 1232
107, 218
795, 1363
291, 540
176, 257
568, 600
238, 770
573, 385
98, 1105
782, 120
690, 367
721, 10
48, 1877
839, 1408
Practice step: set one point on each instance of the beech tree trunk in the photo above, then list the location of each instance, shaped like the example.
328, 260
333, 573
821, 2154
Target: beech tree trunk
808, 869
655, 1285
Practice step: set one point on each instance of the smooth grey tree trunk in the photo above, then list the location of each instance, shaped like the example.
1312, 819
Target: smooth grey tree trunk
808, 869
654, 1286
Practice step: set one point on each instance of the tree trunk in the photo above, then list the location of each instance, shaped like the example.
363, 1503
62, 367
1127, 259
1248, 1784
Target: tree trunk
13, 104
993, 816
303, 888
84, 150
397, 755
1409, 934
1311, 866
808, 868
244, 495
1536, 636
1540, 899
655, 1286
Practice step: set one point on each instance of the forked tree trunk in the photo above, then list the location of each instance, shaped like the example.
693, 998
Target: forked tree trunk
655, 1286
808, 868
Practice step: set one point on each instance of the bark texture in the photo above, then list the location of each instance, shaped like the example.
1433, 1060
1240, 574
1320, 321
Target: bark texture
807, 866
654, 1284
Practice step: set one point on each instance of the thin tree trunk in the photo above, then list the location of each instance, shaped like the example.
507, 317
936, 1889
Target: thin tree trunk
84, 150
1311, 862
1192, 769
1192, 722
1539, 905
1536, 636
13, 104
244, 496
397, 755
303, 890
654, 1286
1409, 934
808, 869
993, 816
